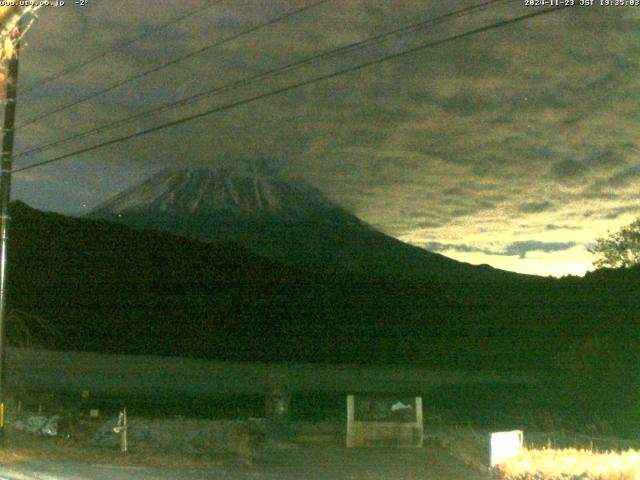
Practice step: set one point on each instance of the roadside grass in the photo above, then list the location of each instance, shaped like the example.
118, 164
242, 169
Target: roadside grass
569, 464
546, 456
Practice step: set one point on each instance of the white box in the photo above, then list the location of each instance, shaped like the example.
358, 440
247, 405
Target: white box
505, 445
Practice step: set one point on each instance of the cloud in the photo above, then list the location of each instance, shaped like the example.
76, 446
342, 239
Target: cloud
551, 226
519, 248
444, 142
534, 207
607, 156
442, 247
567, 168
624, 177
616, 212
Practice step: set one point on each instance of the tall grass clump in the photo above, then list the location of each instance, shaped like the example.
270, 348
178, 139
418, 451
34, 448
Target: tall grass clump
570, 464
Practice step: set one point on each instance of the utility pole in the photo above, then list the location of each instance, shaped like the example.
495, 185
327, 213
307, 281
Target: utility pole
6, 165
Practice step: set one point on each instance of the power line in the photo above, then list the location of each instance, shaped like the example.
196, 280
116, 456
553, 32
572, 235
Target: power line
269, 73
176, 60
117, 46
294, 86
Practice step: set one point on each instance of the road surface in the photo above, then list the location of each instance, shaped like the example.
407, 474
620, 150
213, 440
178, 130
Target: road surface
304, 463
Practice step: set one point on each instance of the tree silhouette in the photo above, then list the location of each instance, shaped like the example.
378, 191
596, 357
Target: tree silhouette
619, 249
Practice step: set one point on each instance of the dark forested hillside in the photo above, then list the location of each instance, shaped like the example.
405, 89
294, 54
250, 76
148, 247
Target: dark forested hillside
106, 287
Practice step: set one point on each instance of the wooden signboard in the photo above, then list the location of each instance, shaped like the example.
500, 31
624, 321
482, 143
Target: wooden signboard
375, 421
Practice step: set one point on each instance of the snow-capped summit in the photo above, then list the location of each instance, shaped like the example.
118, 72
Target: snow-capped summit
225, 192
286, 220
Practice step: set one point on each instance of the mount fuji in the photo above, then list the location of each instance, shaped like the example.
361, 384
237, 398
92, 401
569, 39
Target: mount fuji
226, 194
289, 221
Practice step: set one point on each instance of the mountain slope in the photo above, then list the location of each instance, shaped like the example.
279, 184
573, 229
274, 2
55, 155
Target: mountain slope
289, 222
107, 287
110, 288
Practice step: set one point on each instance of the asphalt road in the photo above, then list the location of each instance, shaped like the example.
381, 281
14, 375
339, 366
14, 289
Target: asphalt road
303, 463
79, 471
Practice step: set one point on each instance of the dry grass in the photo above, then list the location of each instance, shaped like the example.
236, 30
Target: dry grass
567, 464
